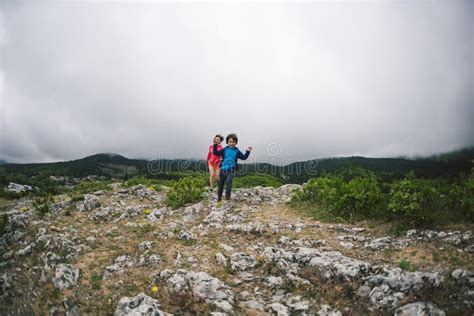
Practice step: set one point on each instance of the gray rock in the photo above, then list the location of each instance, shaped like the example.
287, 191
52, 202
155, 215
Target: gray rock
130, 212
104, 213
241, 261
252, 304
177, 261
141, 304
90, 202
297, 304
221, 259
50, 261
419, 309
142, 192
157, 214
304, 255
14, 229
166, 273
66, 276
71, 308
400, 280
379, 243
57, 207
334, 264
226, 248
351, 238
5, 285
145, 245
347, 245
149, 260
430, 234
184, 235
53, 311
273, 281
284, 240
454, 239
119, 266
192, 211
255, 229
278, 308
463, 277
7, 255
383, 297
469, 249
363, 291
467, 235
27, 250
202, 286
327, 310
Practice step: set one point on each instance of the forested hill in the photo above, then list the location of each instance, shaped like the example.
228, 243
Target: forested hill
114, 165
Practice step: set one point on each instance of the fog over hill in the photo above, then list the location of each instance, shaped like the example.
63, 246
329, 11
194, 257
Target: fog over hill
296, 80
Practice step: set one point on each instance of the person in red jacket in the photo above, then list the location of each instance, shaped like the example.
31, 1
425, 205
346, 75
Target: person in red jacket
213, 161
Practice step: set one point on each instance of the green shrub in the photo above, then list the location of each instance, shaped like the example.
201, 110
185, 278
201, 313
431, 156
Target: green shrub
407, 265
460, 196
9, 195
359, 197
42, 204
92, 186
415, 201
77, 197
322, 190
183, 191
3, 223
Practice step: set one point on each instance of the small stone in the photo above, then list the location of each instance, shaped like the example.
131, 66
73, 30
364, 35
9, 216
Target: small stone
419, 309
252, 304
221, 259
347, 245
327, 310
469, 249
141, 304
241, 261
278, 308
145, 245
184, 235
66, 276
274, 281
363, 291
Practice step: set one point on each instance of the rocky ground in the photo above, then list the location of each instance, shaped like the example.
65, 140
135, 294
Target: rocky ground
123, 252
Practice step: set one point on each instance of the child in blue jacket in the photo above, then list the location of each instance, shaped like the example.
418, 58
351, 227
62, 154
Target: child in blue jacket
230, 154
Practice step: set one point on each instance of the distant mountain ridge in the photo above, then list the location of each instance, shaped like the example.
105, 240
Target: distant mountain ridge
115, 165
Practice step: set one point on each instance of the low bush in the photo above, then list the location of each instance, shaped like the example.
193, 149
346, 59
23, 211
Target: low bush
42, 204
183, 191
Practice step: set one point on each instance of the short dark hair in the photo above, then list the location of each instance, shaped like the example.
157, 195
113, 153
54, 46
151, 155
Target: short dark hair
220, 137
231, 136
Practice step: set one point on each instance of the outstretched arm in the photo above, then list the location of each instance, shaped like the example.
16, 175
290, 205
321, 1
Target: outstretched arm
246, 155
217, 152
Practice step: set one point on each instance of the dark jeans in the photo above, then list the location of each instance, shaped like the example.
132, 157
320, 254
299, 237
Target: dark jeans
225, 177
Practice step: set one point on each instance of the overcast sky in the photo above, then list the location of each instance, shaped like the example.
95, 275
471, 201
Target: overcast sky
296, 81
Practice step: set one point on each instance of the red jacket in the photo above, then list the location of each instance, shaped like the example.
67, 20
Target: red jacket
211, 158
